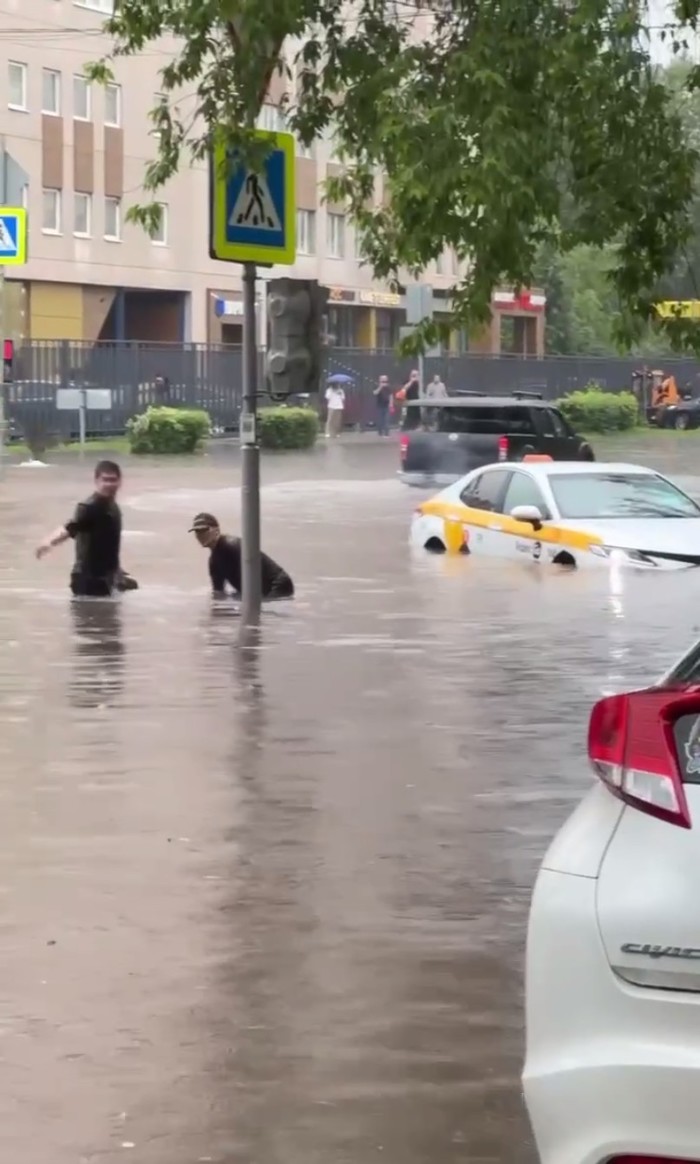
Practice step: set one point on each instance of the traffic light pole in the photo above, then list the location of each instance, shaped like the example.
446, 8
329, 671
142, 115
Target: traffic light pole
250, 458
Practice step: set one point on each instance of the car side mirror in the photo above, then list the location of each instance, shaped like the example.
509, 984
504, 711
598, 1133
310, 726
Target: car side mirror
527, 513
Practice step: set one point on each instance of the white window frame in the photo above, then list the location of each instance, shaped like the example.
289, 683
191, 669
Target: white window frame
106, 7
306, 246
162, 242
117, 203
56, 229
20, 106
55, 74
88, 98
86, 199
335, 240
117, 90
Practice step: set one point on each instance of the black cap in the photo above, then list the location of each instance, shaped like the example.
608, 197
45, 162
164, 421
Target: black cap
203, 521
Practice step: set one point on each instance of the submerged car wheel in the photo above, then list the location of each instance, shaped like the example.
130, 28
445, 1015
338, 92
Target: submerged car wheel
586, 453
681, 421
435, 546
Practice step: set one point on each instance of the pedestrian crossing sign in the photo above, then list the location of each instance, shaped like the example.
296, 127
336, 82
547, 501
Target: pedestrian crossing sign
13, 236
253, 215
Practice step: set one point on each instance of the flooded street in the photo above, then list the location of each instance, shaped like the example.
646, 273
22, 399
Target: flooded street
269, 907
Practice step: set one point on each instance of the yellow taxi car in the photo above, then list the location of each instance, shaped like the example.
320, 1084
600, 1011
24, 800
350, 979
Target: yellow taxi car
566, 513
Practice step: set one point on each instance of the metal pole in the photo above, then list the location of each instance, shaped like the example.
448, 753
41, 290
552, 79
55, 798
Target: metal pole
83, 418
250, 458
421, 373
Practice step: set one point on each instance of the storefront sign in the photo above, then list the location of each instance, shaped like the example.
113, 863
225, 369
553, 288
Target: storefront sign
341, 295
380, 299
525, 301
224, 308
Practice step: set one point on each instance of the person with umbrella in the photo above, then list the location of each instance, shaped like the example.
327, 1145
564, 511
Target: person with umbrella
335, 402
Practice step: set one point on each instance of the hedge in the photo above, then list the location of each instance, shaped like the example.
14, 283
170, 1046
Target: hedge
287, 428
593, 410
168, 430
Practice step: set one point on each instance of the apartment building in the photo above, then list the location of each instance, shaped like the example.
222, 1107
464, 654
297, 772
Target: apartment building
74, 156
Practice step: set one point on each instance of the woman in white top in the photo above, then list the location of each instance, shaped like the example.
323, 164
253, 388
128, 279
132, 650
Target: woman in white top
335, 403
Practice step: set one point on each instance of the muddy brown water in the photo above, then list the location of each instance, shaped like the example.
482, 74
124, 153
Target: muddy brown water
268, 906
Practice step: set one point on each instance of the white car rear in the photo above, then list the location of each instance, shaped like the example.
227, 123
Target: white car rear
612, 1072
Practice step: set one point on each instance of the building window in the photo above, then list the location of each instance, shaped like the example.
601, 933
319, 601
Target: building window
342, 324
105, 6
455, 263
113, 105
82, 215
16, 85
388, 328
160, 235
336, 236
50, 92
25, 197
272, 118
51, 212
359, 256
439, 265
81, 99
306, 232
113, 219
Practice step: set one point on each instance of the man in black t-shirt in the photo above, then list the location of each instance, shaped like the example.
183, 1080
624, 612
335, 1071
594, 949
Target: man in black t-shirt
96, 528
225, 563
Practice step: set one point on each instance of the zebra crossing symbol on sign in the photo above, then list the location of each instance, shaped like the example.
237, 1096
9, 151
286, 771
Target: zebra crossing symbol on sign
254, 205
13, 236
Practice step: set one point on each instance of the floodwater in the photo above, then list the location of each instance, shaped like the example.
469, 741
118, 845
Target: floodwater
268, 906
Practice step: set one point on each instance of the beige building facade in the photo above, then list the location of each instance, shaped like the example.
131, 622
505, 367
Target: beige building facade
75, 156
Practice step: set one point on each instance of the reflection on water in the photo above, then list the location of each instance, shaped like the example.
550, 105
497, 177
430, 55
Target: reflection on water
266, 901
98, 650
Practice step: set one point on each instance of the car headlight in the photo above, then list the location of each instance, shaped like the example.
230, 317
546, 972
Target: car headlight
617, 554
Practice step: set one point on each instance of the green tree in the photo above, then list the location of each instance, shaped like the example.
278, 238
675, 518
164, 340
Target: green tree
500, 124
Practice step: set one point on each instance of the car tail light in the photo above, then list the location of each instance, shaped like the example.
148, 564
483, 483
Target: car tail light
632, 748
403, 447
650, 1160
503, 448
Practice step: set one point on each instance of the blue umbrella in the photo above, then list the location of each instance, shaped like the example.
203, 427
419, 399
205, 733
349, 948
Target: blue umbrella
340, 378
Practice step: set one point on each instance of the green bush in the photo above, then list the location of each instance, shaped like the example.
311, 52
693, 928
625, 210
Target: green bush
593, 410
287, 428
168, 430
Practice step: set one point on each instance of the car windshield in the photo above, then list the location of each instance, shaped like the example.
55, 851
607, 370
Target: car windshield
484, 420
603, 495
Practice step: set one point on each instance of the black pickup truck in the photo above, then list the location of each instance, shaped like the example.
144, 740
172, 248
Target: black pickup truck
441, 440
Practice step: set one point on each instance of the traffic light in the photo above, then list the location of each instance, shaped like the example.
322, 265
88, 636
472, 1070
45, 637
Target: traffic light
296, 312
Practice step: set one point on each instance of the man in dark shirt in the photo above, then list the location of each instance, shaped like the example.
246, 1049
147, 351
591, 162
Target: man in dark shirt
225, 561
96, 528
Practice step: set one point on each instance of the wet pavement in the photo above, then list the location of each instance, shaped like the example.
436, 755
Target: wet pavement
268, 907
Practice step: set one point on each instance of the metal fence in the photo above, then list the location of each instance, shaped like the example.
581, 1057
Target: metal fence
209, 377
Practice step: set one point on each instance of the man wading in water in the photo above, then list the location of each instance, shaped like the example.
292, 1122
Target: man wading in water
225, 565
96, 528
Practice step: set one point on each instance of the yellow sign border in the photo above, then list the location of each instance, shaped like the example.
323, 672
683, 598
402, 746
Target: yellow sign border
228, 252
20, 214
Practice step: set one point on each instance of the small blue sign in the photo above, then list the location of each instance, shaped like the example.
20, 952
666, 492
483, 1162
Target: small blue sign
13, 236
254, 214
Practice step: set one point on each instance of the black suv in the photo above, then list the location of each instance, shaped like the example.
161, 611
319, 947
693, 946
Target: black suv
441, 440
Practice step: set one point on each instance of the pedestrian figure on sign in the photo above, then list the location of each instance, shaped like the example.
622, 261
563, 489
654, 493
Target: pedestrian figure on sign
96, 529
255, 211
382, 396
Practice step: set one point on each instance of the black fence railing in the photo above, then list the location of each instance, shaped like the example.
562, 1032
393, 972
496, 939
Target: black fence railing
209, 377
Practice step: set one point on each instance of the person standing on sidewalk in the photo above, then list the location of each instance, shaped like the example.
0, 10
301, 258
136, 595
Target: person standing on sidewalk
335, 405
382, 395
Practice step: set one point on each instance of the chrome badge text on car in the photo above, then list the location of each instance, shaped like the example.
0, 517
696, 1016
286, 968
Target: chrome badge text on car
689, 953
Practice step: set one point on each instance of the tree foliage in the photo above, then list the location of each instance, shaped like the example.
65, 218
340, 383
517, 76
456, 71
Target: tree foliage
501, 125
